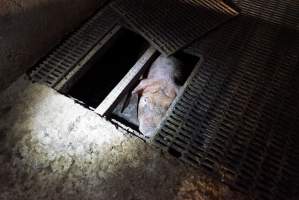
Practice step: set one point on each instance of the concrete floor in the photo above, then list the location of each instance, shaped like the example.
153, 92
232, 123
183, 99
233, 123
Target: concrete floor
53, 148
30, 28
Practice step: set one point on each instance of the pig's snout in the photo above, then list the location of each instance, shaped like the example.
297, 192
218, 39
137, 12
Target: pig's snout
147, 127
150, 113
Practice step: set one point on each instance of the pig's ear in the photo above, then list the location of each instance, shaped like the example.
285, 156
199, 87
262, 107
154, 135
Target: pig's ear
141, 86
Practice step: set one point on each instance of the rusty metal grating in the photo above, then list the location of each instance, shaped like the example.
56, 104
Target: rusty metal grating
63, 59
238, 117
170, 25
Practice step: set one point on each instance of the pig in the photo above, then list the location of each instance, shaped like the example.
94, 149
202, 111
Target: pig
157, 91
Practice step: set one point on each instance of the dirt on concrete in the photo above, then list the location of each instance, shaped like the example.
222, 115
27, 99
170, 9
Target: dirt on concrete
30, 28
53, 148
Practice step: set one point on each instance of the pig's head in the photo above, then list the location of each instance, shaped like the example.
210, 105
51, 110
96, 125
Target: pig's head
156, 97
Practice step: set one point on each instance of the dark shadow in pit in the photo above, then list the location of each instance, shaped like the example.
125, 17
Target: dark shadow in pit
108, 69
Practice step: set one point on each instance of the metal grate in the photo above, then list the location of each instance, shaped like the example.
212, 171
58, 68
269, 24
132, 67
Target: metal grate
282, 12
170, 25
63, 59
238, 117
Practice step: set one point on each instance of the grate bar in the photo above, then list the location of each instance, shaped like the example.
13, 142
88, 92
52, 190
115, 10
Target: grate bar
126, 83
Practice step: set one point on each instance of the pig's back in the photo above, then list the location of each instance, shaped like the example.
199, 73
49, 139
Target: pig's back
164, 68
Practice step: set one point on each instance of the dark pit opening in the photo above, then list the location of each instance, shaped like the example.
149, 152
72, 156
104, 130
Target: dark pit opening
189, 62
108, 68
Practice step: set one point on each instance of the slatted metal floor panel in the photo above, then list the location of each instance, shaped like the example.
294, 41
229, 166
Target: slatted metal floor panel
170, 25
238, 117
281, 12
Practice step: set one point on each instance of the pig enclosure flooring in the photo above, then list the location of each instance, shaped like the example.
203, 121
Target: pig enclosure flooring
53, 148
38, 162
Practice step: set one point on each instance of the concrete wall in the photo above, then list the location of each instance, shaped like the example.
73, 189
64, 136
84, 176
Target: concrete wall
30, 28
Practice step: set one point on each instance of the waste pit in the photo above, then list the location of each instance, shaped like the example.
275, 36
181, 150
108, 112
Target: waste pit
126, 80
105, 83
106, 69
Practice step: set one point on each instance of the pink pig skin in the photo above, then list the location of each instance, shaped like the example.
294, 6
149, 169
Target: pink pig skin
157, 92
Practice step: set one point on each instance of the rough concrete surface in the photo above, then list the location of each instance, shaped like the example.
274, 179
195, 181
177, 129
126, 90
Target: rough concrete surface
30, 28
53, 148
